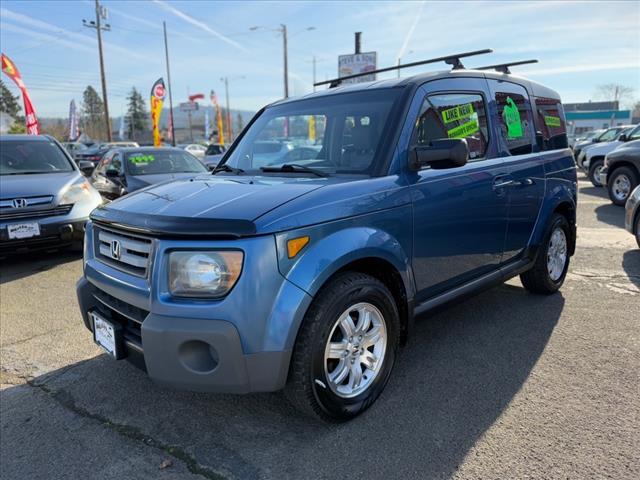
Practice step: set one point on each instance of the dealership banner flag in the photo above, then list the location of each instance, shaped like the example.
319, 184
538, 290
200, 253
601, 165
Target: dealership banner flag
214, 101
9, 68
74, 127
157, 99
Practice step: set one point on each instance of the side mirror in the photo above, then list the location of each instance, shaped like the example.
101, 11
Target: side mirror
540, 140
623, 138
446, 153
86, 167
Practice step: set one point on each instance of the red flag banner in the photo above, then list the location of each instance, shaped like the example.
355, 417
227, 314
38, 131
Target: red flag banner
157, 99
9, 68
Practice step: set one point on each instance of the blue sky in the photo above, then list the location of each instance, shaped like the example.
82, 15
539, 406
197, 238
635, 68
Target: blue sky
579, 44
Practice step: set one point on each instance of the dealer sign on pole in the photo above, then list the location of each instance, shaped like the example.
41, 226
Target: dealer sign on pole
357, 63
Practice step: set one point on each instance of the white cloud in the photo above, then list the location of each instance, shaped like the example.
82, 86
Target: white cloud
199, 24
590, 67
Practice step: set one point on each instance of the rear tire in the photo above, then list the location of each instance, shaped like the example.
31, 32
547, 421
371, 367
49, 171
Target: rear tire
620, 184
552, 263
341, 362
594, 172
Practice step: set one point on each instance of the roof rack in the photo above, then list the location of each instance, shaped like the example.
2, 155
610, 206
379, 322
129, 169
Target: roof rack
504, 67
453, 60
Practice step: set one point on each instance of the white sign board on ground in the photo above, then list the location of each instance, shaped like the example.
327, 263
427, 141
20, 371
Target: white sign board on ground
357, 63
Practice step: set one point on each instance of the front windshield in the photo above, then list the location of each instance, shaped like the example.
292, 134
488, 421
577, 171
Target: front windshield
32, 156
332, 134
609, 135
154, 161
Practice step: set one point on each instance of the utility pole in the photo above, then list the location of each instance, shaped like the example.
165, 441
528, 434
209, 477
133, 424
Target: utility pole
101, 13
314, 73
283, 29
166, 52
226, 93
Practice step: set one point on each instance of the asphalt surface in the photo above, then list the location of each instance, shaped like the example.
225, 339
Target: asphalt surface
504, 385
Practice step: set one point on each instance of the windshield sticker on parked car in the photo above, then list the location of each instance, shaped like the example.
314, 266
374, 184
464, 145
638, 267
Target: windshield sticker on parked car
511, 117
457, 113
141, 159
551, 121
465, 130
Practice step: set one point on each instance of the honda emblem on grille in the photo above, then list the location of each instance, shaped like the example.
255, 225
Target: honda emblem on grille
19, 202
115, 249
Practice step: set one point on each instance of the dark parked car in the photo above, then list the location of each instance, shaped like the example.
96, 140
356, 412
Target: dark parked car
44, 199
125, 170
306, 276
632, 214
621, 173
213, 155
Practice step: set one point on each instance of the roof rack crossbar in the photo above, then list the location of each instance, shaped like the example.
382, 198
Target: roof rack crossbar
453, 60
504, 67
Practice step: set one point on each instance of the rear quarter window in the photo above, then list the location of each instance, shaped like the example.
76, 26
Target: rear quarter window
551, 123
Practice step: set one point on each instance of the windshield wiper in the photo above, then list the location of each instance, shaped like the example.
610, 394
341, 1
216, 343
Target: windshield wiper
30, 172
223, 167
294, 168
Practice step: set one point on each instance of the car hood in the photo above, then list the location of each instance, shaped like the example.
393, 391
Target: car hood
36, 185
146, 180
602, 148
205, 205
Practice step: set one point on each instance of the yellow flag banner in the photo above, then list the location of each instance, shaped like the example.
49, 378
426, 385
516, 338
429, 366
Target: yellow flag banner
312, 128
157, 100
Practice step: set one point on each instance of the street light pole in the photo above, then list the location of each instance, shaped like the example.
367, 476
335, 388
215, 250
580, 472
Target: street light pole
166, 52
226, 93
99, 29
283, 28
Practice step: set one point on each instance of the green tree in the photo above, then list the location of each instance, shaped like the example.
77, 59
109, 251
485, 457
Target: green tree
137, 114
9, 103
93, 113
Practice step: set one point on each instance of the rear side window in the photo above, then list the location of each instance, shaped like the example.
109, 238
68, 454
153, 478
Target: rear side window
453, 115
516, 126
551, 123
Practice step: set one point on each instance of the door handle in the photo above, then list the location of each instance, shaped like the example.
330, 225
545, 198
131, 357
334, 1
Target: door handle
499, 183
525, 182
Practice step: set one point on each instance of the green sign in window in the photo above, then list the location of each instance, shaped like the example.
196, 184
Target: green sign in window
457, 113
465, 130
551, 121
141, 159
511, 118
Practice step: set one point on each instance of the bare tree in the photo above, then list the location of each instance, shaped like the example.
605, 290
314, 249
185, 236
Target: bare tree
614, 92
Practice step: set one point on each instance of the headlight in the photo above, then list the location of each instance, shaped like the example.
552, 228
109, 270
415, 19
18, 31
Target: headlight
76, 193
207, 274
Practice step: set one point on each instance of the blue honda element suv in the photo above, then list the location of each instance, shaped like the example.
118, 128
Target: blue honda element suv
303, 270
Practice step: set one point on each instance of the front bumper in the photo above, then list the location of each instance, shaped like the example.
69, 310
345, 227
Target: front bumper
238, 344
187, 353
54, 232
631, 210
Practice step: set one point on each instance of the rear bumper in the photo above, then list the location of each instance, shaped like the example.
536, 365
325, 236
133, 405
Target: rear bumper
187, 353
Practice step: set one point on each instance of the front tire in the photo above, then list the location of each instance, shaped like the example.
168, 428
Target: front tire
552, 263
595, 168
346, 348
620, 184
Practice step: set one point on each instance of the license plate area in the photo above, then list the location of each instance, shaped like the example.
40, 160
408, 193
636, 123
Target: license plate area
107, 335
17, 231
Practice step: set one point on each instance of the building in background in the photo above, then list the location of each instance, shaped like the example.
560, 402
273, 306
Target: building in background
587, 116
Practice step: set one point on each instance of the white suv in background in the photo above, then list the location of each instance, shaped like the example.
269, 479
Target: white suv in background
593, 161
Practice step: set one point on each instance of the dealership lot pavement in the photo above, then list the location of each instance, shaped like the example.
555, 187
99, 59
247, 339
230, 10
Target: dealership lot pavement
504, 385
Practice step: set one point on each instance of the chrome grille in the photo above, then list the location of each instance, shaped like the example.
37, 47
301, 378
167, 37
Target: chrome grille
124, 251
25, 202
5, 214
